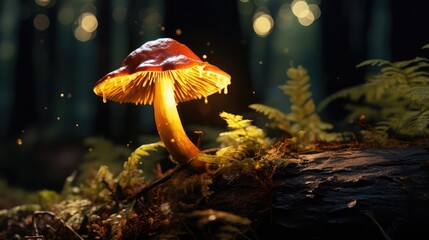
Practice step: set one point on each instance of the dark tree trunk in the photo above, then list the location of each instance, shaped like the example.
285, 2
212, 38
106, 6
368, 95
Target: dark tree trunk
212, 28
369, 194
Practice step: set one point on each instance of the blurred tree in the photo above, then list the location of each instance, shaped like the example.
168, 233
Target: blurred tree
212, 29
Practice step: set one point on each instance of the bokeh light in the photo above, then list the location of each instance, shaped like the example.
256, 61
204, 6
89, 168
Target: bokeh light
87, 26
42, 3
88, 22
315, 10
66, 15
262, 24
82, 35
306, 13
41, 22
88, 7
307, 20
7, 50
151, 18
300, 8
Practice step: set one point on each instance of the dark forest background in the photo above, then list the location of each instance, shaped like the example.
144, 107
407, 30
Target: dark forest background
47, 70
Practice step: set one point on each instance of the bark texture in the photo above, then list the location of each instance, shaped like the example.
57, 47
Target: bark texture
365, 194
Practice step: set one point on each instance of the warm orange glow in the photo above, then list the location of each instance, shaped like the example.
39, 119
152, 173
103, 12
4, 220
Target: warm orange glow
188, 85
165, 72
168, 123
19, 141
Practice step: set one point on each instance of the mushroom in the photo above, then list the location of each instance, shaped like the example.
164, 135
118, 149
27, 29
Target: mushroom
165, 72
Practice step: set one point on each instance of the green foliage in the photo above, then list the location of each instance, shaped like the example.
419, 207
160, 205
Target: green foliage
102, 151
132, 176
303, 120
396, 98
242, 132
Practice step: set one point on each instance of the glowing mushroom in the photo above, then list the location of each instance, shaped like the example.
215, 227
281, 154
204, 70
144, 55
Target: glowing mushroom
165, 72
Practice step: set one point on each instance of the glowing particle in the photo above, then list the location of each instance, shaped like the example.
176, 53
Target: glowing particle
211, 217
260, 62
77, 124
206, 100
178, 32
19, 141
204, 56
45, 108
172, 140
58, 118
69, 95
89, 149
162, 28
209, 43
61, 94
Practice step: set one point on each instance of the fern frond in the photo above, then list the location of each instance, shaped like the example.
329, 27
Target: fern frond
242, 132
398, 95
353, 93
418, 94
405, 63
302, 122
144, 149
270, 112
235, 121
279, 119
374, 62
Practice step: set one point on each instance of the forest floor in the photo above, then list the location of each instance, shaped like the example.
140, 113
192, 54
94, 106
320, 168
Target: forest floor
330, 192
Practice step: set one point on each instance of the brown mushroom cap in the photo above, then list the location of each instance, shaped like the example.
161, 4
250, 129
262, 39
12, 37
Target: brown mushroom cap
161, 59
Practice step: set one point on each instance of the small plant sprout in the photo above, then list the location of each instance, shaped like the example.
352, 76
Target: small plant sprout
165, 72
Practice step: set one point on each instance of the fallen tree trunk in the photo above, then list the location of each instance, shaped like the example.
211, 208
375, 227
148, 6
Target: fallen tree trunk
365, 194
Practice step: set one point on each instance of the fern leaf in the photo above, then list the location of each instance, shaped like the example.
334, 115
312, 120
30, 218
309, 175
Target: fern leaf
242, 132
144, 149
419, 94
270, 112
235, 121
374, 62
302, 122
352, 93
405, 63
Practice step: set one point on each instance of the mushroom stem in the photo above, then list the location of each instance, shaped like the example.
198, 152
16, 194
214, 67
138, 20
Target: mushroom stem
169, 125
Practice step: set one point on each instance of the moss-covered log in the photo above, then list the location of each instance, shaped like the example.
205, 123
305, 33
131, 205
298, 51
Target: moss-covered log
365, 194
